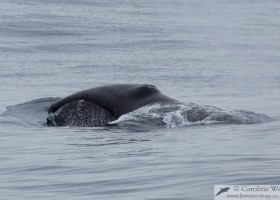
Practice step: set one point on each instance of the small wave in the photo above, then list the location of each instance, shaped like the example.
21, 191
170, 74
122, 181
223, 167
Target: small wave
177, 115
29, 113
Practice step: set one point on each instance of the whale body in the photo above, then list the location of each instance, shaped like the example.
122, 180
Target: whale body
101, 105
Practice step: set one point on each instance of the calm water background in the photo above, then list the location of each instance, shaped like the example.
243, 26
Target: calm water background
218, 52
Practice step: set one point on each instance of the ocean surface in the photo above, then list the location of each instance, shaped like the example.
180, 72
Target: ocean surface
220, 53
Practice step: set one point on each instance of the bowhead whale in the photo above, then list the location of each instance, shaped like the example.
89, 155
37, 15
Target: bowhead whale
101, 105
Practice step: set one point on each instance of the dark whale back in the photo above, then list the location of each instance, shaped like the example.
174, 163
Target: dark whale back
117, 99
102, 105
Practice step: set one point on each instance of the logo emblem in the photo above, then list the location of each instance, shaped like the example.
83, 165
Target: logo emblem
223, 190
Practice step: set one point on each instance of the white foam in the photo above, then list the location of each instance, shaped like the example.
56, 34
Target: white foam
177, 115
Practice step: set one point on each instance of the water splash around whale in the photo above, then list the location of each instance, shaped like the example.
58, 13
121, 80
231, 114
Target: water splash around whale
34, 113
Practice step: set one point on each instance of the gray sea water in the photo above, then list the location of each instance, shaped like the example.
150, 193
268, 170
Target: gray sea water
221, 53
